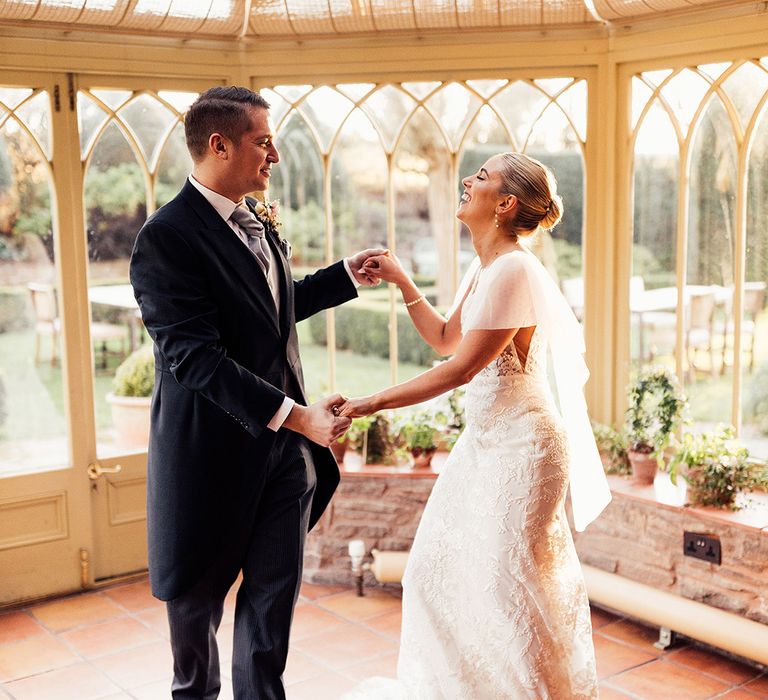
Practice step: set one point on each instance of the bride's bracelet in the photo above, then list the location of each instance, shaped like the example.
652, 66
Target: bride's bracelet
408, 304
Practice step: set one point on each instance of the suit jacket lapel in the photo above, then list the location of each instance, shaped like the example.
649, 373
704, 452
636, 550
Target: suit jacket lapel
235, 251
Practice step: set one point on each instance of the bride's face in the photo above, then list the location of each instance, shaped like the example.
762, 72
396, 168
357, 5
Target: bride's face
481, 196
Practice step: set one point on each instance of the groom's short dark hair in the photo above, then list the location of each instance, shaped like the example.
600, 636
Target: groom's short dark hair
222, 110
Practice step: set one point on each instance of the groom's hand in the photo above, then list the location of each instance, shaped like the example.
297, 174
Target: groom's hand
365, 277
318, 421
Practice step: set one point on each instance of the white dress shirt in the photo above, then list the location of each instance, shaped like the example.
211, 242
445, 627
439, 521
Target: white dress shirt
224, 206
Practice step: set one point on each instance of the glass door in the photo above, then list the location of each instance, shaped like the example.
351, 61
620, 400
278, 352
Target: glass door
133, 159
45, 525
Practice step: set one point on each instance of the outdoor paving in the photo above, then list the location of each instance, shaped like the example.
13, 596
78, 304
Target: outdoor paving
112, 644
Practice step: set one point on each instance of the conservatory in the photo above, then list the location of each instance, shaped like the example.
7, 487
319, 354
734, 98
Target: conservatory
653, 116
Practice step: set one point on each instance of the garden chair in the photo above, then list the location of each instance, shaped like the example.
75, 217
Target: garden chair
47, 322
754, 302
46, 317
699, 329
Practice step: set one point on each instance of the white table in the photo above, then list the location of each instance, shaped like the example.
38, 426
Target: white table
120, 296
664, 299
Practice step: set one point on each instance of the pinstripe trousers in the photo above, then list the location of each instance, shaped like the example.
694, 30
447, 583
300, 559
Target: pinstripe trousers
271, 563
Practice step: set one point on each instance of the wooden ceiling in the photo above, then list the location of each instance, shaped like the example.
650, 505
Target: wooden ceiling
285, 19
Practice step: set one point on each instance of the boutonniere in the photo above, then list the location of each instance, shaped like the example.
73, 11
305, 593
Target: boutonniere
269, 215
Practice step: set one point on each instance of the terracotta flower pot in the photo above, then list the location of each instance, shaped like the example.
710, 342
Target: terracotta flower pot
644, 467
130, 416
421, 458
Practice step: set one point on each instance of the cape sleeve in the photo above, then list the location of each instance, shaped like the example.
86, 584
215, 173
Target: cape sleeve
516, 291
503, 297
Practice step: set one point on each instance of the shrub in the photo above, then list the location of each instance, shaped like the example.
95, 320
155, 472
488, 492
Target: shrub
15, 309
364, 330
136, 374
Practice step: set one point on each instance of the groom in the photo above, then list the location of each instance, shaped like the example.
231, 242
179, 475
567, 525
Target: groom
238, 465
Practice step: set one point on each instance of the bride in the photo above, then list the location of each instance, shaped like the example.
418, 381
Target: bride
494, 603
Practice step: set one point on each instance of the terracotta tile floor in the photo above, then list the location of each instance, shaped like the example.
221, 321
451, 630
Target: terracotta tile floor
112, 644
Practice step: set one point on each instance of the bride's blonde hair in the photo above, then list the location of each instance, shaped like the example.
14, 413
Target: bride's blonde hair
534, 185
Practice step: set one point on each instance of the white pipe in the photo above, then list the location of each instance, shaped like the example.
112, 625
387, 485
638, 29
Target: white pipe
719, 628
714, 626
388, 566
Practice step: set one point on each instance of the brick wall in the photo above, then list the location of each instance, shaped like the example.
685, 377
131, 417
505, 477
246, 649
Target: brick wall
636, 537
641, 539
381, 506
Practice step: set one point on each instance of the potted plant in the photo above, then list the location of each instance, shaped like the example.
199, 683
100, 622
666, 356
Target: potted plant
656, 409
370, 436
716, 466
355, 438
612, 446
418, 431
131, 396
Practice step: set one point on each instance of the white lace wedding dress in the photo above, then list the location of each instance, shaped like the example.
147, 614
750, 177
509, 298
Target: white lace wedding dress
494, 603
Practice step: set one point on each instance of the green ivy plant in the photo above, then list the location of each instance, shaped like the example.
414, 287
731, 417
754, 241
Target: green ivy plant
136, 374
716, 466
656, 410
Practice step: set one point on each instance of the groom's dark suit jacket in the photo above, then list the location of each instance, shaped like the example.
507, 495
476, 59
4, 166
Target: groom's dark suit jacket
224, 361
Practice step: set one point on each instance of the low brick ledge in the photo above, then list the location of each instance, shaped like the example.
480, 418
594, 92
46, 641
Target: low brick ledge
639, 535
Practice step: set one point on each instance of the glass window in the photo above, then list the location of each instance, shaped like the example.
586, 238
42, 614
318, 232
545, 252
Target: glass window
709, 282
400, 150
653, 285
32, 421
754, 325
136, 160
710, 119
359, 206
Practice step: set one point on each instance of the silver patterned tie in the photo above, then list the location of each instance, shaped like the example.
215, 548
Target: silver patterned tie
254, 231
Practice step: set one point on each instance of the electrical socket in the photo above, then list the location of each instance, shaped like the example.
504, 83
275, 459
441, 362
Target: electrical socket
703, 546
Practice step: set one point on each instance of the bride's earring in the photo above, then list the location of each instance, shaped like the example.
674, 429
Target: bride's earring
496, 220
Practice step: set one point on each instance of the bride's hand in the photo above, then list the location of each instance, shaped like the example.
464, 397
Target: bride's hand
355, 408
387, 267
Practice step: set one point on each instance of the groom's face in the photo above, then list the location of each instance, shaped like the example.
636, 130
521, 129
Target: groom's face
256, 153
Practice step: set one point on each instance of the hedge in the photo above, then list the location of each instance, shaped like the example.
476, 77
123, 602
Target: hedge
15, 309
364, 329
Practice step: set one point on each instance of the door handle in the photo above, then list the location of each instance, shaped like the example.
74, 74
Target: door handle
95, 470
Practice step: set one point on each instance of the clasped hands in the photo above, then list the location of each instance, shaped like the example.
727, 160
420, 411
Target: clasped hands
325, 421
373, 265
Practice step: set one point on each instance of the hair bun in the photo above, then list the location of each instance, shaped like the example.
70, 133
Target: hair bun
553, 213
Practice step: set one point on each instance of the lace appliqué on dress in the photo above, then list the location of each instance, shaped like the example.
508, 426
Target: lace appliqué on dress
494, 602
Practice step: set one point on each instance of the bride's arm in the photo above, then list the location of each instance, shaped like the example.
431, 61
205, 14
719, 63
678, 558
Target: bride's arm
476, 350
442, 335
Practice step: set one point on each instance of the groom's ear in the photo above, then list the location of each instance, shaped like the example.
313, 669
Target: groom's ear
218, 145
507, 205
